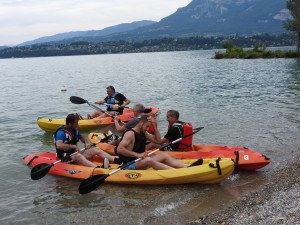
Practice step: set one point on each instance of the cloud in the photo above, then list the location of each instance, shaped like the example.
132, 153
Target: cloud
23, 20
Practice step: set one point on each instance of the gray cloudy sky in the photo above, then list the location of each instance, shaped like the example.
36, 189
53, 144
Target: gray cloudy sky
25, 20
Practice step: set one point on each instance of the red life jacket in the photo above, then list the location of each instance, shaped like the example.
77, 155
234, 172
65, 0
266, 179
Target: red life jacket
186, 143
151, 128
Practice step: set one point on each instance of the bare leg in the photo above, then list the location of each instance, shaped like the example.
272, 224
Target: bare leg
96, 114
106, 114
97, 151
169, 160
149, 162
80, 159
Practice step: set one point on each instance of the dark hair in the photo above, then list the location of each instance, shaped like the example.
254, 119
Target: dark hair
71, 118
111, 87
143, 118
174, 113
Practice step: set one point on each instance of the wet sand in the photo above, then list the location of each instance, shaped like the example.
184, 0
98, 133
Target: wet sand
277, 202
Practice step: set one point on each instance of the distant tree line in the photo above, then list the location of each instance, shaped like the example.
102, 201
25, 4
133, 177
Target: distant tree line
293, 24
257, 52
153, 45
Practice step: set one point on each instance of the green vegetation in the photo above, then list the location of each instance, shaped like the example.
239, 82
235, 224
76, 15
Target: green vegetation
294, 24
154, 45
256, 52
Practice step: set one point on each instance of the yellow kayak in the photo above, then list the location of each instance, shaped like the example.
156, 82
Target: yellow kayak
210, 172
51, 125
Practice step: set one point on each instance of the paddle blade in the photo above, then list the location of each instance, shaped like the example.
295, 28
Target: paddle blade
92, 183
77, 100
40, 171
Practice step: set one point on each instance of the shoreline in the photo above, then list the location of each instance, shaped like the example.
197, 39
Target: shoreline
275, 203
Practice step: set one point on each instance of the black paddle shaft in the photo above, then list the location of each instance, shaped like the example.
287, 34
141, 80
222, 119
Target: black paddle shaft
78, 100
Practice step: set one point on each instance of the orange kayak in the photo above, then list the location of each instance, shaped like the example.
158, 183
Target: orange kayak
51, 125
211, 171
244, 158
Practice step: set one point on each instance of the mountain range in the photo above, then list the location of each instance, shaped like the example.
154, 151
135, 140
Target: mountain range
91, 33
199, 18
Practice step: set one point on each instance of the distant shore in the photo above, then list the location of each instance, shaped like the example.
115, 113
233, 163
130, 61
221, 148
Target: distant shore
275, 203
62, 48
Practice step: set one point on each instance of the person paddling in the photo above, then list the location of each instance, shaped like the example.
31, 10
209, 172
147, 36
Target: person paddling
115, 102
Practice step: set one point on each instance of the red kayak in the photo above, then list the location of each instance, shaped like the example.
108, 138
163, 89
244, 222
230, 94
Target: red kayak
244, 158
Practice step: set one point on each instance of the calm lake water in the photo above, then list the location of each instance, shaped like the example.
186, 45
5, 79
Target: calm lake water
252, 103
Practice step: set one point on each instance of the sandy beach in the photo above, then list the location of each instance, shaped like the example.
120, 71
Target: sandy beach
277, 202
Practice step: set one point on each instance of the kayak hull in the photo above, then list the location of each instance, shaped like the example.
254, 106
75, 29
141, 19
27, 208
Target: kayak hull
245, 159
51, 125
204, 174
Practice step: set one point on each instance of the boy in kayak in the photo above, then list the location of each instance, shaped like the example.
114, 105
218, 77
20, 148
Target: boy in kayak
132, 146
66, 138
115, 102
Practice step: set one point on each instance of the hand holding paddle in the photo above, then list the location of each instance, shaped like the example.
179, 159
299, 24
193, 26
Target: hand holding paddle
78, 100
126, 107
93, 182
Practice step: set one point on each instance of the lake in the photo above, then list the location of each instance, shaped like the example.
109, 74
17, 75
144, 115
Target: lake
251, 103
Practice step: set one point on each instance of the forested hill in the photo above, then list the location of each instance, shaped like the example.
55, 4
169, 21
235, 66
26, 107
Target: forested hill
78, 35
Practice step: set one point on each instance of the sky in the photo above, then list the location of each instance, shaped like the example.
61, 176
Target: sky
26, 20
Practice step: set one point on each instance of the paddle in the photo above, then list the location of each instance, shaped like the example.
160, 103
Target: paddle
113, 105
78, 100
93, 182
40, 170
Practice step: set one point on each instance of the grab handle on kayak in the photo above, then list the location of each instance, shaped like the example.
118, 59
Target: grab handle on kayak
217, 166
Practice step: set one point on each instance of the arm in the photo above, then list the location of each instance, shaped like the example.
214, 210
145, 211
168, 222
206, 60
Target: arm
126, 102
156, 137
120, 128
126, 144
82, 139
62, 146
100, 102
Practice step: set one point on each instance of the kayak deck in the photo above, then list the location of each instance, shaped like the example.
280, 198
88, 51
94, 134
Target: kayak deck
207, 173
